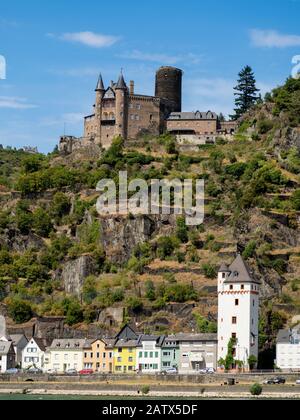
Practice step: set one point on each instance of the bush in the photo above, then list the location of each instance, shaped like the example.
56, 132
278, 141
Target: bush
20, 311
256, 390
60, 206
250, 250
180, 293
296, 200
264, 126
74, 314
182, 232
145, 390
135, 304
209, 271
166, 245
42, 223
150, 291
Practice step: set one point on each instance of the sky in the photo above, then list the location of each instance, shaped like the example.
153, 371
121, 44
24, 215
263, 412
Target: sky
55, 50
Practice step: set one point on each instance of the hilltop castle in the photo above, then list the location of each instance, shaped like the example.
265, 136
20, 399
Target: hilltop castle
119, 111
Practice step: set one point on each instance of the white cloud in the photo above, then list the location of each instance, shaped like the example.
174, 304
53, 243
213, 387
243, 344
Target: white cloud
15, 103
162, 58
91, 39
273, 39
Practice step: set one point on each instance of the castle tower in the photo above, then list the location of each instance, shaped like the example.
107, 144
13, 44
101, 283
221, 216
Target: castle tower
238, 311
100, 91
168, 86
121, 108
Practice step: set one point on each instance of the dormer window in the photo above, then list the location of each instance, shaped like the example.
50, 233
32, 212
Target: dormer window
236, 274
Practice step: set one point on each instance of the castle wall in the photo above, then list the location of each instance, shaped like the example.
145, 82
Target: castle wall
200, 127
143, 114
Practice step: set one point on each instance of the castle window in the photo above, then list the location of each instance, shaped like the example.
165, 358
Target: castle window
151, 117
132, 117
137, 117
138, 106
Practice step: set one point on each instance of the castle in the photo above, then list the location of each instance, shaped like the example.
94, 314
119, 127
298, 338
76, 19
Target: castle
119, 111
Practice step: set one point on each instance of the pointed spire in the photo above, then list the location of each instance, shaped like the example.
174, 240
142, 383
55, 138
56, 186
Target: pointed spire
121, 82
100, 84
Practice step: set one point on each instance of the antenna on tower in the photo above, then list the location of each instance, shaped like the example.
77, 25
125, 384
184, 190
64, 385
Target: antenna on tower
64, 128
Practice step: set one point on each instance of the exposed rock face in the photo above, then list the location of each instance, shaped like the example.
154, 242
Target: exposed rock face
287, 138
75, 272
121, 235
14, 241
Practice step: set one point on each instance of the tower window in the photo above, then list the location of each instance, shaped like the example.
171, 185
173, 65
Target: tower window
234, 320
233, 335
237, 302
242, 287
231, 287
223, 275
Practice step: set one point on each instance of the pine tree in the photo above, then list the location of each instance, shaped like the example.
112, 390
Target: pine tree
246, 92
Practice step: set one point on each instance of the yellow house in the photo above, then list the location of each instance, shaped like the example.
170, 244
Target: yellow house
125, 356
99, 356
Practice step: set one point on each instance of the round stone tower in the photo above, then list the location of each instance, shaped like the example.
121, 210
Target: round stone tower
168, 86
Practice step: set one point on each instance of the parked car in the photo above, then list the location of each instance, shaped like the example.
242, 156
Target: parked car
34, 371
51, 372
211, 371
207, 371
71, 372
12, 371
298, 382
86, 372
170, 371
275, 381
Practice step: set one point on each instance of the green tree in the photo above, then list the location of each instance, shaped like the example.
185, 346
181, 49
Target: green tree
20, 311
249, 251
252, 362
296, 200
182, 232
60, 206
246, 92
150, 291
74, 313
42, 223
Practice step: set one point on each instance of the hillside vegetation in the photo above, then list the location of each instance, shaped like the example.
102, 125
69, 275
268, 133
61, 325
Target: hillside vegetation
48, 222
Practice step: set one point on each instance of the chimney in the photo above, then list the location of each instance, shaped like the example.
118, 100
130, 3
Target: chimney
131, 87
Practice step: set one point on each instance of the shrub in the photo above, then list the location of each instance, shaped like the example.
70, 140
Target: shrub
60, 206
182, 232
256, 390
205, 326
150, 291
264, 126
209, 271
145, 390
180, 293
42, 223
74, 314
236, 170
296, 200
135, 304
166, 245
20, 311
249, 250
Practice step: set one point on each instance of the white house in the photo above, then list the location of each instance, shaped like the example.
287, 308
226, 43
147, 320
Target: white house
148, 354
7, 356
288, 349
33, 354
238, 311
66, 354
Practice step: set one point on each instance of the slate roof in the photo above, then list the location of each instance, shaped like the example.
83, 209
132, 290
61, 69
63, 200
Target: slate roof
67, 344
240, 272
126, 343
284, 337
121, 83
5, 347
193, 115
146, 338
16, 338
193, 337
100, 84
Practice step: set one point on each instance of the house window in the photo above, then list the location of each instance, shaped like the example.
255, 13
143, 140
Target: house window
156, 354
98, 355
151, 354
140, 354
120, 350
237, 302
119, 359
130, 359
234, 320
146, 354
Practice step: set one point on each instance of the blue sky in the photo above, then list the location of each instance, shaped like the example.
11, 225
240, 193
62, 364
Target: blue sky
55, 49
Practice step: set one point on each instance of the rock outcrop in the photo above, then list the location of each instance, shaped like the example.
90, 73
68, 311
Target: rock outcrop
75, 272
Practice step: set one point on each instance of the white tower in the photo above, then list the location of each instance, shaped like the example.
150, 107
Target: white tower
238, 311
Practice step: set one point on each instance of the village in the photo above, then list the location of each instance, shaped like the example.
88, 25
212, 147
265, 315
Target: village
234, 348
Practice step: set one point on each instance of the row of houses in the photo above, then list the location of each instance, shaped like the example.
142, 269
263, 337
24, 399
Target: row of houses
127, 353
238, 320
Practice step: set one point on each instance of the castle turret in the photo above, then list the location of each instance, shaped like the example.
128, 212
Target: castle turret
100, 91
121, 107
